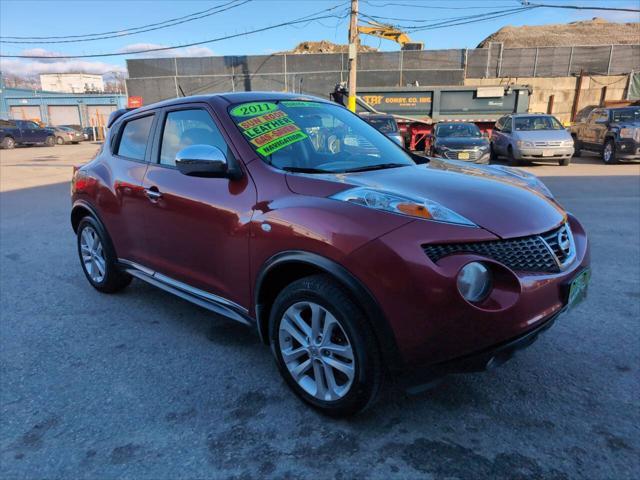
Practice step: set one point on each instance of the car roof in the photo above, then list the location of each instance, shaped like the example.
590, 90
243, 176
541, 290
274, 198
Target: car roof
229, 97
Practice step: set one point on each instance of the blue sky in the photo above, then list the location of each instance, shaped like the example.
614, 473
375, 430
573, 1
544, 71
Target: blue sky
60, 17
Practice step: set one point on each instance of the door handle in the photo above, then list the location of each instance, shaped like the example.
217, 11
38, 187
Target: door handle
153, 194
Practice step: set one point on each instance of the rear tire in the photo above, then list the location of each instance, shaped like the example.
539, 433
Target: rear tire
98, 259
336, 364
8, 143
609, 153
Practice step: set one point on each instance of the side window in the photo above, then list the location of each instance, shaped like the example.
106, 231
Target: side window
506, 127
134, 139
7, 124
594, 115
500, 123
189, 127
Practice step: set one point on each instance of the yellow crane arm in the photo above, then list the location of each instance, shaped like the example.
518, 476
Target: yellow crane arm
387, 32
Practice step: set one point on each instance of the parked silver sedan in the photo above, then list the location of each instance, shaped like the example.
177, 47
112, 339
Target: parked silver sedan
66, 135
533, 137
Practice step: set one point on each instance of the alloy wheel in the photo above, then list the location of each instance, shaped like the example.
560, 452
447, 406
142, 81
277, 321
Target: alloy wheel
93, 256
316, 351
608, 152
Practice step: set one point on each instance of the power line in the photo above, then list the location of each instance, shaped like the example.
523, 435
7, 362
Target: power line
444, 21
305, 19
122, 30
581, 7
125, 34
464, 20
432, 7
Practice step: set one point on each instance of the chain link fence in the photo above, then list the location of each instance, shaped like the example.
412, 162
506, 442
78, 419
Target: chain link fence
162, 78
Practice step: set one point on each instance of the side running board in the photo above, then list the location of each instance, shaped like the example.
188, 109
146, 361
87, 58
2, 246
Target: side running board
207, 300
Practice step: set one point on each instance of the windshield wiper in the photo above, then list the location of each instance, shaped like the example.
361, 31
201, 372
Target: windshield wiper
380, 166
305, 170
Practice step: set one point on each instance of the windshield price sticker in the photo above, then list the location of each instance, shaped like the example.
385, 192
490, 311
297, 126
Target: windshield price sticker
266, 127
273, 135
282, 142
253, 108
298, 103
252, 122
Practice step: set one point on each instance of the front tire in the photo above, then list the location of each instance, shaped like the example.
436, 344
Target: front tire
563, 162
609, 153
577, 148
59, 140
324, 347
50, 141
98, 259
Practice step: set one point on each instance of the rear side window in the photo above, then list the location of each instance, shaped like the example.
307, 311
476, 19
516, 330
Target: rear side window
7, 124
134, 139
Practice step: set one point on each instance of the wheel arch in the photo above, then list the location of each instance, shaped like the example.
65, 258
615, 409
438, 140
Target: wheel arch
286, 267
83, 209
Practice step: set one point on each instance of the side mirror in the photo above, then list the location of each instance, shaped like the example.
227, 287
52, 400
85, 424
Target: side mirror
204, 161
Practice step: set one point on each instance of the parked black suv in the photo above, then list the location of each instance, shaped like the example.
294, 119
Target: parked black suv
614, 132
24, 132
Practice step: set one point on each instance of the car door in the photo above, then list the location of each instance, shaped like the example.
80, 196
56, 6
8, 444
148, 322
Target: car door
600, 128
123, 203
197, 229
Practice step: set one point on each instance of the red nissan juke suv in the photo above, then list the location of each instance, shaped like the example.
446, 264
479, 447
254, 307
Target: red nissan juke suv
352, 258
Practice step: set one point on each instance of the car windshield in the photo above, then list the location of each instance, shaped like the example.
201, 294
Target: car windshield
385, 125
542, 122
315, 137
626, 115
457, 130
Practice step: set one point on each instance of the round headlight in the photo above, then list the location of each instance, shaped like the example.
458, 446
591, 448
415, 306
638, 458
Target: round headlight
474, 282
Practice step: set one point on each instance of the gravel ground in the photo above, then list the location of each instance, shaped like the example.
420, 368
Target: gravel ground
144, 385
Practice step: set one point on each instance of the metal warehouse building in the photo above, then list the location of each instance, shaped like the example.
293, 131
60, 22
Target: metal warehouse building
54, 108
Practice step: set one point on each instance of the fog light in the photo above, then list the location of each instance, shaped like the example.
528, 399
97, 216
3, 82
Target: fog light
474, 282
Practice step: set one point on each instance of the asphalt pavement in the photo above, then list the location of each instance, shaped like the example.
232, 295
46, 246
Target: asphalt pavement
144, 385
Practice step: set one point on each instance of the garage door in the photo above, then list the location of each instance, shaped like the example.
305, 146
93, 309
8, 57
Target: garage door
26, 112
64, 115
99, 114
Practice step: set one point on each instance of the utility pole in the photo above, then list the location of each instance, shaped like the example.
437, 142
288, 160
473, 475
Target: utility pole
353, 55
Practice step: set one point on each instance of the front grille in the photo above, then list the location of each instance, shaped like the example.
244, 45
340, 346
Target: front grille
535, 253
548, 144
455, 154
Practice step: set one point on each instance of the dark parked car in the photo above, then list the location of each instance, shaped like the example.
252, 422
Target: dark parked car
613, 132
460, 141
66, 135
386, 124
24, 132
293, 216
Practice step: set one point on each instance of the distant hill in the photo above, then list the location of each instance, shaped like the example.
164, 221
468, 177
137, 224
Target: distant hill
590, 32
325, 46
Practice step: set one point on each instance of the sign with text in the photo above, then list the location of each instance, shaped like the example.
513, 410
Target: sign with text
414, 103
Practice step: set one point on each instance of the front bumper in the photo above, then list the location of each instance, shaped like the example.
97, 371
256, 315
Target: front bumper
470, 156
418, 379
430, 320
627, 149
542, 153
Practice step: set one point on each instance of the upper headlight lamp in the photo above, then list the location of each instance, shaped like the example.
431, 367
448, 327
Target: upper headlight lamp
391, 202
523, 144
626, 132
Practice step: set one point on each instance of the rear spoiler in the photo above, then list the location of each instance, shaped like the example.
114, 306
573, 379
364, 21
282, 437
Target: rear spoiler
116, 115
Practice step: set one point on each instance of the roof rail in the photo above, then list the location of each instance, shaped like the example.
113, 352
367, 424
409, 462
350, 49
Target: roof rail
113, 116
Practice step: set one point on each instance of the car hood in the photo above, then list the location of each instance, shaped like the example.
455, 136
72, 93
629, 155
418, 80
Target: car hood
461, 142
543, 135
507, 202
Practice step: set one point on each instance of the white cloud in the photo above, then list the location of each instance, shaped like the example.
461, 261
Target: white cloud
27, 67
195, 51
